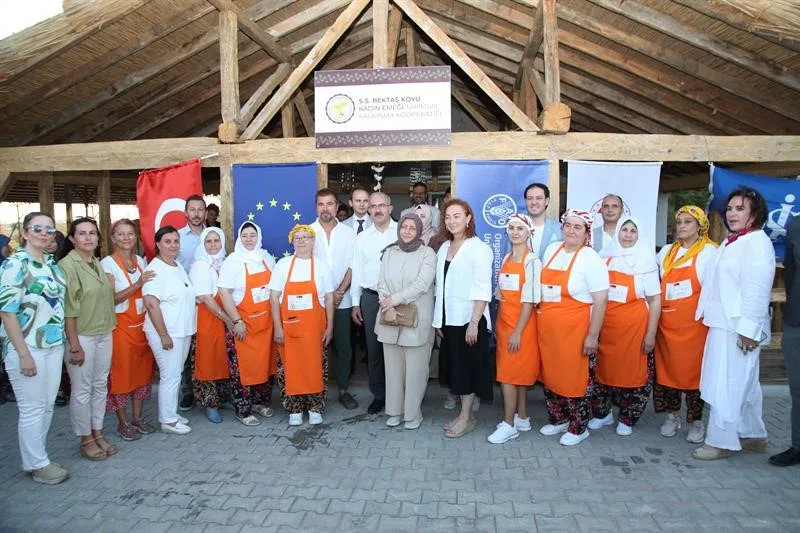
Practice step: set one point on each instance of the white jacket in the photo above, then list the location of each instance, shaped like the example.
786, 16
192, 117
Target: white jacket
469, 278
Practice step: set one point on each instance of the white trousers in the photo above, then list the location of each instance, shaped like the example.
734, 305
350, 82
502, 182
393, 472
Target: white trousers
170, 365
407, 370
89, 383
35, 398
729, 384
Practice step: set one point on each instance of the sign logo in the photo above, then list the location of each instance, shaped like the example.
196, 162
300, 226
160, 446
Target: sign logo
498, 209
779, 218
340, 108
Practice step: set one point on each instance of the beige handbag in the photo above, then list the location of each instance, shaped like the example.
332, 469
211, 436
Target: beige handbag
403, 315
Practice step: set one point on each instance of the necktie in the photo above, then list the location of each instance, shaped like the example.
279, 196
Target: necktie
360, 226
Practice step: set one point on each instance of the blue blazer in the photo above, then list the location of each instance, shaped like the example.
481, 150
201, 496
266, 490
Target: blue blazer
552, 233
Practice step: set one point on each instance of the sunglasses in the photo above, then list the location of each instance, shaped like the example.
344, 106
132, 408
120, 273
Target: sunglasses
36, 228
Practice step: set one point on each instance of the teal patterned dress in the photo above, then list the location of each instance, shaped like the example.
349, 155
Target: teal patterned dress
35, 292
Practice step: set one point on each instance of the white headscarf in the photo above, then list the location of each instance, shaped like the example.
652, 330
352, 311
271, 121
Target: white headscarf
256, 255
200, 254
639, 258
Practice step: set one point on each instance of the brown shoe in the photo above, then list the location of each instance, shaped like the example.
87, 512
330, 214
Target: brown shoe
142, 426
128, 433
710, 453
754, 444
51, 474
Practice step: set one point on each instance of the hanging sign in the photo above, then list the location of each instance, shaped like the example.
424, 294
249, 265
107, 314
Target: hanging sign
382, 107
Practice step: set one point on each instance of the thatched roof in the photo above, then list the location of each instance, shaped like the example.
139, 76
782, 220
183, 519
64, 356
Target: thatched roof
134, 69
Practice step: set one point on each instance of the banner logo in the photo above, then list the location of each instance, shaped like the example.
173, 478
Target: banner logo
340, 108
498, 209
779, 218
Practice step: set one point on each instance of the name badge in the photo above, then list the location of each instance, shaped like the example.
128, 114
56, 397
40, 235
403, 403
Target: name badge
260, 294
551, 293
618, 293
300, 302
139, 306
679, 289
508, 282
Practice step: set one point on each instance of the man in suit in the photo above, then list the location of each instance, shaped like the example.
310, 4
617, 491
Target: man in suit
791, 339
611, 211
359, 201
545, 229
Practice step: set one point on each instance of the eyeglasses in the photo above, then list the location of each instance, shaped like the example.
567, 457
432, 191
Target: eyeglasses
380, 206
36, 228
302, 238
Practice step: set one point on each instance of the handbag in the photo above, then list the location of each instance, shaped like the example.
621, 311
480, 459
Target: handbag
405, 315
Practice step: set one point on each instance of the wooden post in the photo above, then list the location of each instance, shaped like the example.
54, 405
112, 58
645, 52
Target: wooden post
46, 195
229, 76
322, 175
6, 182
380, 33
104, 205
226, 199
287, 120
68, 202
716, 227
554, 184
412, 47
452, 180
552, 76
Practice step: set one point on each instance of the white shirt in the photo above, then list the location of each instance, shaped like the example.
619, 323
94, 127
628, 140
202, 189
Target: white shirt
120, 280
301, 272
608, 239
532, 288
336, 254
701, 260
367, 259
646, 284
353, 222
172, 287
469, 279
538, 235
189, 243
232, 274
204, 279
589, 273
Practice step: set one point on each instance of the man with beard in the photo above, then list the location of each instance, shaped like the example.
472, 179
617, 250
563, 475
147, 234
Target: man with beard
419, 196
545, 229
334, 248
190, 233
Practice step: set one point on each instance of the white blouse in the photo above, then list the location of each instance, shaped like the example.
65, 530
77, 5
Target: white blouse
469, 279
589, 273
302, 272
175, 293
120, 280
646, 284
232, 274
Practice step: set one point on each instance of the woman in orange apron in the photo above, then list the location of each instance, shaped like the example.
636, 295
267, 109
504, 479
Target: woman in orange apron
517, 356
681, 339
132, 361
624, 372
301, 294
211, 377
245, 277
574, 296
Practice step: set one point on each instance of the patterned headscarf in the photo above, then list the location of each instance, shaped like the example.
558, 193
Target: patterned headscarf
298, 228
585, 217
527, 222
699, 215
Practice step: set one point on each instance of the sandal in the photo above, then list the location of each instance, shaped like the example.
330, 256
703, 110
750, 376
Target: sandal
142, 426
248, 420
471, 425
263, 410
99, 455
128, 433
109, 448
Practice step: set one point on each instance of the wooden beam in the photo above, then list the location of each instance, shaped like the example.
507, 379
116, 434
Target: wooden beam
322, 176
458, 56
261, 94
104, 205
529, 96
46, 194
710, 43
68, 202
299, 74
479, 119
6, 182
535, 38
395, 23
306, 117
254, 31
552, 77
287, 120
229, 66
380, 33
413, 57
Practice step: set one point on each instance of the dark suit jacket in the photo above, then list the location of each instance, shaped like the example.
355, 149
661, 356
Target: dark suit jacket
791, 274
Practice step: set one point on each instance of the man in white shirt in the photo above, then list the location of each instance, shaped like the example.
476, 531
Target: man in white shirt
190, 233
334, 246
545, 229
359, 201
363, 290
419, 196
611, 210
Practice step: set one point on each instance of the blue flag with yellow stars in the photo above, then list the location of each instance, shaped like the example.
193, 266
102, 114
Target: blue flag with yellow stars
276, 197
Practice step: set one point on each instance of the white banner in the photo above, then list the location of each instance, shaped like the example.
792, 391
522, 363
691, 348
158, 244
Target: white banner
588, 182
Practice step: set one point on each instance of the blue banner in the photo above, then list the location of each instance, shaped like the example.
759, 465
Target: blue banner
276, 197
779, 193
494, 189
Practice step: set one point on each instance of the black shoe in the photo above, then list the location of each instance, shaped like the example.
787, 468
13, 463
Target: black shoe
348, 401
790, 457
375, 407
186, 403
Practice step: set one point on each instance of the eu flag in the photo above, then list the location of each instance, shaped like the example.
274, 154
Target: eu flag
276, 197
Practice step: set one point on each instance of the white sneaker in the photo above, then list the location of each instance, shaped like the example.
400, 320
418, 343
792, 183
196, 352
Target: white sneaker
522, 424
571, 439
179, 428
503, 433
670, 426
314, 418
697, 432
553, 429
597, 423
623, 430
183, 420
295, 419
413, 424
393, 421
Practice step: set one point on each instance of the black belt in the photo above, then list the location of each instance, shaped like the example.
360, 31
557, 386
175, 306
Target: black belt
370, 291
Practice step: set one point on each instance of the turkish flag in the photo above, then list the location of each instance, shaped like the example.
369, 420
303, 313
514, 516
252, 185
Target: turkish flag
161, 198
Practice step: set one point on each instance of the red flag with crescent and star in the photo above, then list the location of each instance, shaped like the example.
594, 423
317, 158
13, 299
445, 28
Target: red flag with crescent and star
161, 198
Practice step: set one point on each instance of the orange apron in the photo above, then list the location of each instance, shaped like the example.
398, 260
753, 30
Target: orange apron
304, 324
521, 367
620, 359
681, 339
132, 361
254, 353
211, 353
563, 324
